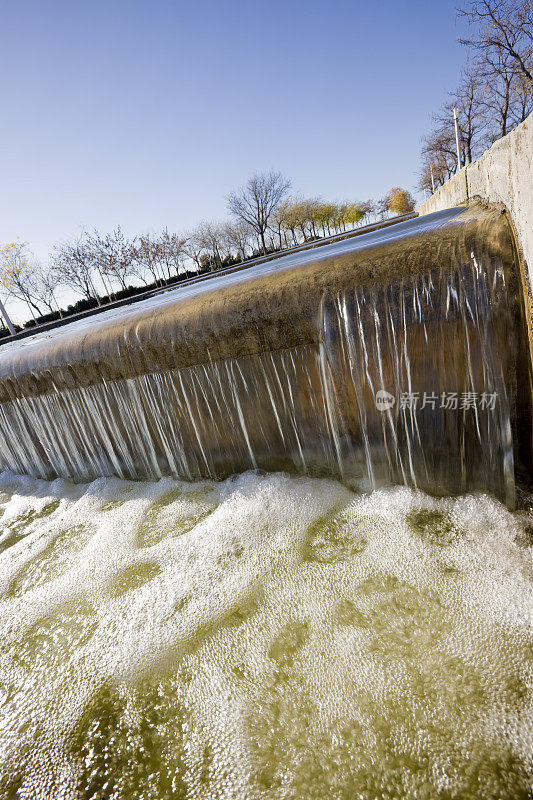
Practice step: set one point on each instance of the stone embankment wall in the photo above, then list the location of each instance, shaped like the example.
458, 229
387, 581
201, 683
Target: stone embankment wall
503, 175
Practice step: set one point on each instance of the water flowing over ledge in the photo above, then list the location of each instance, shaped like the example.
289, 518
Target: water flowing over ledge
398, 356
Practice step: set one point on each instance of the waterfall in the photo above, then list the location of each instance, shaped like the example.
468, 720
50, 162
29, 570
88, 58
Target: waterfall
401, 375
183, 617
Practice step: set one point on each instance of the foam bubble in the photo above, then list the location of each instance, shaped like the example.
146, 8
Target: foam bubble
265, 637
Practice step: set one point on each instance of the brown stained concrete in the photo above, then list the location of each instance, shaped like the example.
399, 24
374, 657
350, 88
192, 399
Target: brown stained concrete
159, 379
251, 313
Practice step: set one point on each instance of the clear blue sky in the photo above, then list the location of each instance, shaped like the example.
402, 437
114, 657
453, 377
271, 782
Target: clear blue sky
146, 114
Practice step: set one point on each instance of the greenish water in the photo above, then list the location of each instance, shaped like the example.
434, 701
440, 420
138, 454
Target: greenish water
266, 637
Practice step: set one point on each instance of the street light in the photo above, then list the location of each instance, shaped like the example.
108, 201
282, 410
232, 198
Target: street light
4, 313
455, 118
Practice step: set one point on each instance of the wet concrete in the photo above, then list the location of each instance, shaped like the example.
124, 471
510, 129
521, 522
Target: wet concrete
252, 369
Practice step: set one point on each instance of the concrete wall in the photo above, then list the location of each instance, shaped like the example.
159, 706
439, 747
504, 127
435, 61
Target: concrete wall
503, 174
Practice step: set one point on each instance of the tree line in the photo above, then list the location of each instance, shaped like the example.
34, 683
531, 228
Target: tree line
496, 89
263, 218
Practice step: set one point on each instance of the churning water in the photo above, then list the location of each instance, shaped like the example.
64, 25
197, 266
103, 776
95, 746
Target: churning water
265, 637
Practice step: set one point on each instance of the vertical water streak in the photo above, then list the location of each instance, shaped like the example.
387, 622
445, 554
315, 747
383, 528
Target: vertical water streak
440, 337
439, 346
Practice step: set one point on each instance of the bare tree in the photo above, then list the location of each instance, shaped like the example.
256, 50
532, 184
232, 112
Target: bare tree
42, 286
504, 27
382, 207
211, 236
508, 96
368, 207
256, 202
172, 252
193, 248
523, 101
439, 157
146, 256
74, 266
496, 91
204, 245
502, 41
112, 255
236, 236
469, 100
499, 94
439, 151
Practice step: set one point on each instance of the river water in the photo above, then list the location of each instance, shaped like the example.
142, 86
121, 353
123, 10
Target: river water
269, 636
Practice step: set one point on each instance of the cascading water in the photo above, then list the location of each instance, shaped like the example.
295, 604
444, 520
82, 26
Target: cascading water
275, 635
285, 369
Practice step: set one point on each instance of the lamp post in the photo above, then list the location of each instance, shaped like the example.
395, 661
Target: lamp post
455, 118
5, 315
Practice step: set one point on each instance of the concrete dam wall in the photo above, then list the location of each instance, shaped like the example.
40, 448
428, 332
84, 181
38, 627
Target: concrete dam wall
395, 356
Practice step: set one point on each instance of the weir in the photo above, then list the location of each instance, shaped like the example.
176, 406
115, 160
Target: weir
397, 356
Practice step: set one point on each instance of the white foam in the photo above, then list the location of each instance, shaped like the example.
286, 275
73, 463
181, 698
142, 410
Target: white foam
268, 636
